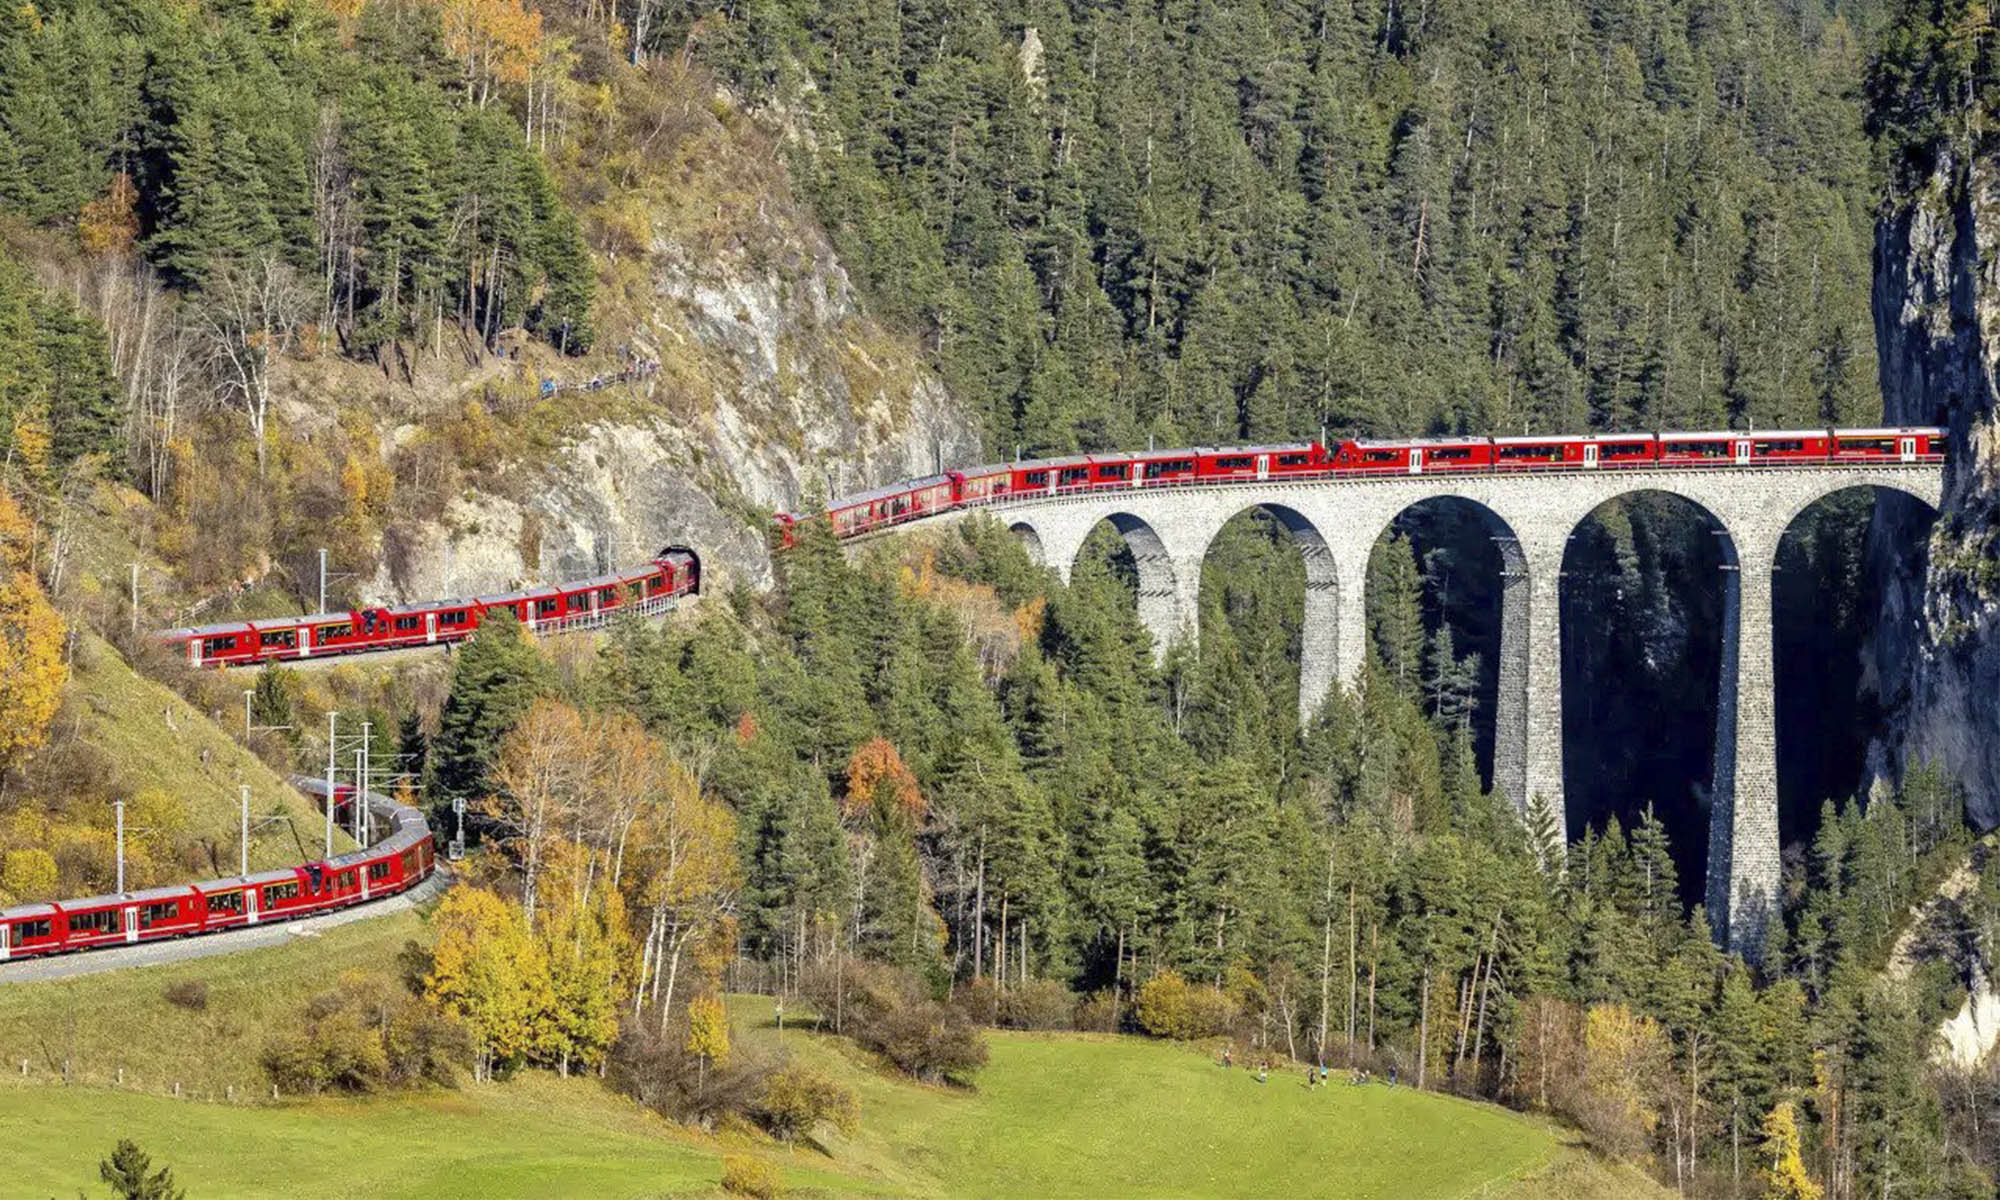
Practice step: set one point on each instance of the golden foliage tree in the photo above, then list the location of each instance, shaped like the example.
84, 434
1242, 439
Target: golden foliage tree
1785, 1176
32, 670
540, 776
489, 973
495, 41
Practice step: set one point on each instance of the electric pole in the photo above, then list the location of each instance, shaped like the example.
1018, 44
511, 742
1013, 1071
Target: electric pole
243, 867
332, 723
118, 807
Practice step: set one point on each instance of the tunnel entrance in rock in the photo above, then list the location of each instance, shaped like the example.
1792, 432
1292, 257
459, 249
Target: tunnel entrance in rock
1642, 605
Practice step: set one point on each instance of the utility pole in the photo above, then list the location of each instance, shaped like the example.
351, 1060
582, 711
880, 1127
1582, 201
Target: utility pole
247, 693
135, 597
118, 807
332, 720
243, 866
364, 782
322, 582
360, 795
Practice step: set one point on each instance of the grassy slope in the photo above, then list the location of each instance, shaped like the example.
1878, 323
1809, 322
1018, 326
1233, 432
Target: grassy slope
1053, 1115
164, 742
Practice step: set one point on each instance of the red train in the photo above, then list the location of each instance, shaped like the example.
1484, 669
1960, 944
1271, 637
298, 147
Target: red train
676, 572
1077, 473
400, 861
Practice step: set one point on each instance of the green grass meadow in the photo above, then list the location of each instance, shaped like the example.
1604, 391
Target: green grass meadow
1053, 1115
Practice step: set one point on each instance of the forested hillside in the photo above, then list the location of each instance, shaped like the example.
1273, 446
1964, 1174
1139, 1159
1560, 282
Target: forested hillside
1211, 222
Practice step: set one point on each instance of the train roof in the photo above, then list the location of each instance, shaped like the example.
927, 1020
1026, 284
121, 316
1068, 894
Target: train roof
28, 912
984, 469
887, 490
143, 896
1784, 433
1697, 435
1265, 448
1890, 431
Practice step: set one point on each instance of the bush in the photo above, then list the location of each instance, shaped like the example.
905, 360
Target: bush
191, 994
743, 1175
1099, 1012
1041, 1004
798, 1099
365, 1035
887, 1010
656, 1069
1171, 1007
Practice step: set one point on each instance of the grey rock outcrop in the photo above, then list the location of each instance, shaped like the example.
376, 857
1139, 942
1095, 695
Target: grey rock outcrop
1936, 658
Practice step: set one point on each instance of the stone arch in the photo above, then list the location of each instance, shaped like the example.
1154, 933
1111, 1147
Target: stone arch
1670, 745
1842, 666
1031, 541
1320, 626
1509, 663
1161, 586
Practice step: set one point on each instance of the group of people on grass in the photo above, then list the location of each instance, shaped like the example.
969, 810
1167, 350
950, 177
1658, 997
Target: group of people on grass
1316, 1076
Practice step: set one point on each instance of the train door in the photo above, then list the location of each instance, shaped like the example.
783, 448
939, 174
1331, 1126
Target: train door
430, 628
1590, 456
305, 640
1416, 460
1908, 448
132, 924
1263, 466
1743, 452
4, 928
250, 905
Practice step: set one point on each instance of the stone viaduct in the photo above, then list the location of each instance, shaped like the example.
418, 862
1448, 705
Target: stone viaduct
1532, 517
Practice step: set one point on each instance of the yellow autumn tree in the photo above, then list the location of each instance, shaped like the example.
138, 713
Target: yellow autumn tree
32, 671
494, 41
1625, 1062
1785, 1176
708, 1031
490, 974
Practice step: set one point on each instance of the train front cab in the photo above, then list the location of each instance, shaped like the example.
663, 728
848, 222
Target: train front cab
30, 929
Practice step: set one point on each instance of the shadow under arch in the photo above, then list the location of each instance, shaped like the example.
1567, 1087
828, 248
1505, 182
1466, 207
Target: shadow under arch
1843, 638
1649, 612
1031, 541
1474, 578
1146, 564
1311, 631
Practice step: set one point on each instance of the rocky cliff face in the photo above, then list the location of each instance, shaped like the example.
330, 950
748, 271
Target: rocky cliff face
1936, 659
773, 384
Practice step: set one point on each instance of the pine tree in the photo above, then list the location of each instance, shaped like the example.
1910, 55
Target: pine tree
130, 1173
494, 678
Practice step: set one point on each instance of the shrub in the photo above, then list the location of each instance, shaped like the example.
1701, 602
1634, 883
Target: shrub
1099, 1012
658, 1071
1041, 1004
887, 1010
365, 1035
191, 994
1171, 1007
798, 1099
743, 1175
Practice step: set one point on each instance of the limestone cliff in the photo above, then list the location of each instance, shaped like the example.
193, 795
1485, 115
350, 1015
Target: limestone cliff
768, 381
1936, 659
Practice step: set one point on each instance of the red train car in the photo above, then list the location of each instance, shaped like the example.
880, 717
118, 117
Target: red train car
404, 857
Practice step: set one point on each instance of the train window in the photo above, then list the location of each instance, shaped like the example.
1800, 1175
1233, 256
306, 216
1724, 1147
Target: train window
150, 914
1780, 446
1038, 478
1169, 466
1451, 454
1697, 449
1382, 456
226, 902
217, 645
409, 863
1073, 475
548, 605
1232, 463
1622, 450
274, 892
279, 637
327, 633
607, 595
102, 921
1294, 460
24, 930
1544, 452
409, 624
1868, 445
378, 871
1114, 471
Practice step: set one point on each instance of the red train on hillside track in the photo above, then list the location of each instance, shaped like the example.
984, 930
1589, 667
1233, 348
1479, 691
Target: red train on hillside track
676, 572
398, 862
1078, 473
